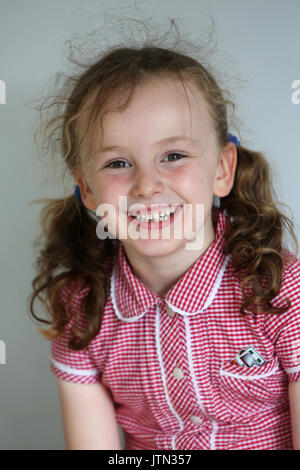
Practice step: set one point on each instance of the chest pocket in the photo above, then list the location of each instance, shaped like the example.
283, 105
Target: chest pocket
265, 384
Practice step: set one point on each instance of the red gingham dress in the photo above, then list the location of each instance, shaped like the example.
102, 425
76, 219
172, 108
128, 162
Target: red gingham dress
167, 362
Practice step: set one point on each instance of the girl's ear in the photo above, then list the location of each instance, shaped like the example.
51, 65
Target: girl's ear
86, 193
225, 171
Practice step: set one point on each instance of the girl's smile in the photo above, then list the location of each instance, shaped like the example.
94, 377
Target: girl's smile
155, 219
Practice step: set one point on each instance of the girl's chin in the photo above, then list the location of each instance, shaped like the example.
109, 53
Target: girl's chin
154, 247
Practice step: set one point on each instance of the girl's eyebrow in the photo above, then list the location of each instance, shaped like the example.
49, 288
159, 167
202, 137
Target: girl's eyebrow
167, 140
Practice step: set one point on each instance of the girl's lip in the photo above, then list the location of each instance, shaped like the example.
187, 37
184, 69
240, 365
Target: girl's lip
156, 225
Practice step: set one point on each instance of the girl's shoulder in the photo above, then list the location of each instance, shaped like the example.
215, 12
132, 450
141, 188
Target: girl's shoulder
76, 289
72, 295
289, 258
289, 290
291, 268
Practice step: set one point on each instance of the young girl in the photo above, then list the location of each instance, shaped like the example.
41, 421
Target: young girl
186, 348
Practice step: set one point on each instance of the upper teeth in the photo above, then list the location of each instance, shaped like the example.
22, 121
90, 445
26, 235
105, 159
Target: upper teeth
156, 216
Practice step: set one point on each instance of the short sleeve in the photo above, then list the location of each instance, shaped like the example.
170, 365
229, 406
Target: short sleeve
67, 364
285, 328
288, 348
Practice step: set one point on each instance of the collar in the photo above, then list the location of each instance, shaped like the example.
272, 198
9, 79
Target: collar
193, 292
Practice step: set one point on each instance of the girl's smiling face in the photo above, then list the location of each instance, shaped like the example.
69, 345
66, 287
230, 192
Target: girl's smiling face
137, 161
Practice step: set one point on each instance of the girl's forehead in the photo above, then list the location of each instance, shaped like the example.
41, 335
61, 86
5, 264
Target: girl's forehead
165, 103
157, 107
166, 92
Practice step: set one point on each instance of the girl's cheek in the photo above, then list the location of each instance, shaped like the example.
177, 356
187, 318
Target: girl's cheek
109, 182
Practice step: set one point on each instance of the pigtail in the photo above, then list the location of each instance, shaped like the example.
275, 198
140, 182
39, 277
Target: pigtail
255, 234
71, 252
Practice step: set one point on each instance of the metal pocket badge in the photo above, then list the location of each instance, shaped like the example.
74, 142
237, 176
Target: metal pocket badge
249, 357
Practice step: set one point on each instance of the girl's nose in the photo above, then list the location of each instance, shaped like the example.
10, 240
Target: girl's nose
147, 182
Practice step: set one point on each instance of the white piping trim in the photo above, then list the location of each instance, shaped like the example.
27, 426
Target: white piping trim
217, 283
70, 370
114, 302
290, 370
213, 435
175, 309
196, 388
210, 297
250, 377
163, 376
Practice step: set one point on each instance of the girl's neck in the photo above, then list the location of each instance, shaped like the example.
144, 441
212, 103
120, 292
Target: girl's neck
160, 273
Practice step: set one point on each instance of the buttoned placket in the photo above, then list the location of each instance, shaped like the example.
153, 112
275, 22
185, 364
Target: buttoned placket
170, 336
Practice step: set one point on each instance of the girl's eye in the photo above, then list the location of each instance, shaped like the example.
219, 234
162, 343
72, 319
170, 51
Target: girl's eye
117, 162
113, 163
175, 153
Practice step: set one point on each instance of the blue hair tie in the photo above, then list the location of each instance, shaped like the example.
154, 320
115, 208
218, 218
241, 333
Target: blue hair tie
232, 138
77, 193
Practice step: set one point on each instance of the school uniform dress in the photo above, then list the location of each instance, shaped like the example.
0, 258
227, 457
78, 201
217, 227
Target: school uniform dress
168, 361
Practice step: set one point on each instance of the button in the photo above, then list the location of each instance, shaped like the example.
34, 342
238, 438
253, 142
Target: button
170, 311
196, 420
178, 374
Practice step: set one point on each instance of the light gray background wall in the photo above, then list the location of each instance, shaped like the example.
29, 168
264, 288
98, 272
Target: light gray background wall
262, 40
